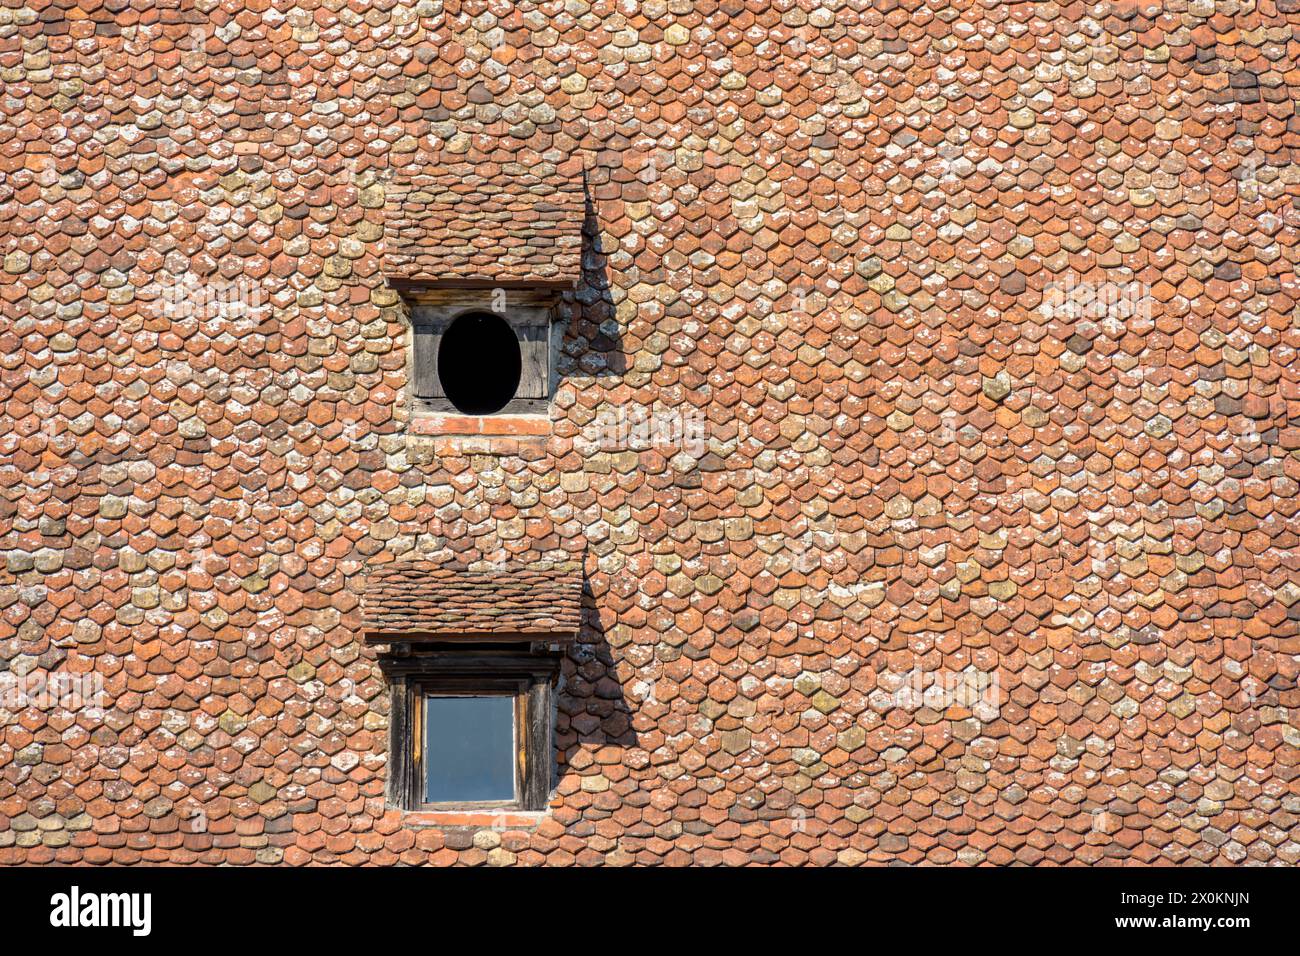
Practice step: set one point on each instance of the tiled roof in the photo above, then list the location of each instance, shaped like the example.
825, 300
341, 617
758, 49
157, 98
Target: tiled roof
916, 338
430, 599
456, 223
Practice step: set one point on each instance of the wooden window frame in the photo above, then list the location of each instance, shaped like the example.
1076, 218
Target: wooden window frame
530, 315
526, 676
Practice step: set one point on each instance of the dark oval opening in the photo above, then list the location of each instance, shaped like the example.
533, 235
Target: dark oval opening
479, 363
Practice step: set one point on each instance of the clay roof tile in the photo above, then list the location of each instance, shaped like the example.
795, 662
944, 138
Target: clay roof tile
432, 600
478, 224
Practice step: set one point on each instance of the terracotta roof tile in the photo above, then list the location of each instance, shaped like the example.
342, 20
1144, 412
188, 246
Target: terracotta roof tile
916, 345
426, 598
461, 223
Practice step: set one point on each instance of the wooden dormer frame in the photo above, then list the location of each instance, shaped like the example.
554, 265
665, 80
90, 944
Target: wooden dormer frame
532, 310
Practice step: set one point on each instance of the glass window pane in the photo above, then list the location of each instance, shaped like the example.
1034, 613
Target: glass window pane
469, 750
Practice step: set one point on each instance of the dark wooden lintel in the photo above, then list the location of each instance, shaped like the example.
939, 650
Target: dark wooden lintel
414, 286
415, 638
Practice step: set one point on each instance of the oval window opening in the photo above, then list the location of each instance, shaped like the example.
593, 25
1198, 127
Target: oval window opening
479, 363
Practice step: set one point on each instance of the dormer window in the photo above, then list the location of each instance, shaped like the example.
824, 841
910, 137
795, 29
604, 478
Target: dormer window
472, 657
483, 257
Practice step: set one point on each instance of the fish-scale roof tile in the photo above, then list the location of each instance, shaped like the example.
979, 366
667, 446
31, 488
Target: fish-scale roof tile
473, 223
413, 599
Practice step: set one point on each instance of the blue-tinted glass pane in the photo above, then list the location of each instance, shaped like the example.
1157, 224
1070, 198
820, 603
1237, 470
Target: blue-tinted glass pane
469, 749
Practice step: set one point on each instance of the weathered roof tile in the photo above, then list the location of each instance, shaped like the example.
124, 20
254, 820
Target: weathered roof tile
413, 599
462, 223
